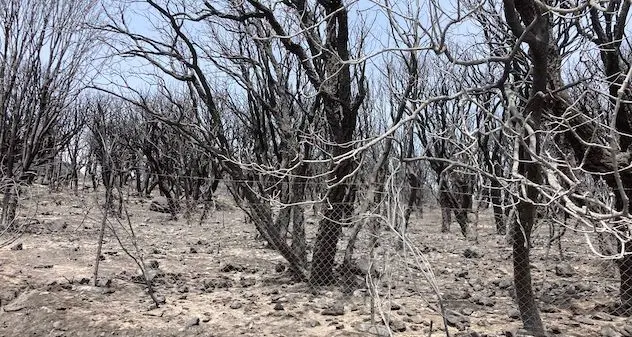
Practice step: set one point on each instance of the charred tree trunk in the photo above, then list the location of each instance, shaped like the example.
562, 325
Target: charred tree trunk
497, 201
341, 110
9, 205
446, 209
330, 228
521, 241
299, 242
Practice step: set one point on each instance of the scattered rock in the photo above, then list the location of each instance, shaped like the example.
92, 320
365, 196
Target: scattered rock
582, 287
467, 334
416, 319
58, 325
235, 305
467, 311
160, 299
470, 253
336, 309
555, 329
397, 325
247, 282
193, 322
456, 319
514, 313
229, 267
18, 246
505, 284
564, 270
523, 333
484, 301
395, 306
313, 323
217, 283
549, 309
374, 330
104, 283
609, 331
279, 307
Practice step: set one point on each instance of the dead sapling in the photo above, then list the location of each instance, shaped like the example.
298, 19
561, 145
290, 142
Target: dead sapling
137, 255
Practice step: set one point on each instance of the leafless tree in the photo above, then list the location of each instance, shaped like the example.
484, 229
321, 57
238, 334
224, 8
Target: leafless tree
45, 53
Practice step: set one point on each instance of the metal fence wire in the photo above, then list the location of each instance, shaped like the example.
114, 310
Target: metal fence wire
419, 266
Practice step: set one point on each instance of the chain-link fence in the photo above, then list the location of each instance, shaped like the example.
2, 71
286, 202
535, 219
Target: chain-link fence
412, 270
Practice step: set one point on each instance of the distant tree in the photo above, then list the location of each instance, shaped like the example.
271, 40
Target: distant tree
45, 54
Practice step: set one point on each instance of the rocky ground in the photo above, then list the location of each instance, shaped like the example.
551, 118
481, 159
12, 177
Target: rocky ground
217, 279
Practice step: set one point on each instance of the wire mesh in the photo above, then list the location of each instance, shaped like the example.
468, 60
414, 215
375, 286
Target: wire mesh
458, 273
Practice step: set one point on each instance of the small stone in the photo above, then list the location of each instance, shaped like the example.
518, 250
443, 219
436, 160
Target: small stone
340, 326
582, 287
456, 320
235, 305
564, 270
193, 322
609, 331
374, 330
313, 323
397, 325
416, 319
484, 301
467, 311
160, 299
192, 250
514, 313
505, 284
337, 309
467, 334
279, 306
57, 325
104, 283
247, 282
18, 246
395, 306
470, 253
556, 329
229, 267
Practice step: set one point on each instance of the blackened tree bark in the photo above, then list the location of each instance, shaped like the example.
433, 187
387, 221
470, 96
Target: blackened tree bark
341, 110
528, 146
